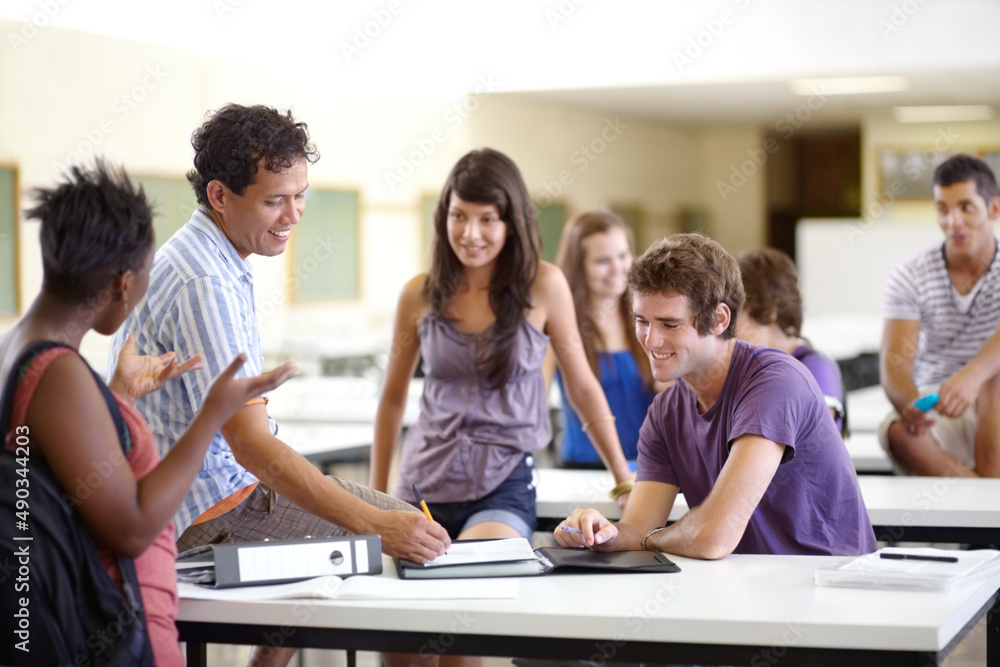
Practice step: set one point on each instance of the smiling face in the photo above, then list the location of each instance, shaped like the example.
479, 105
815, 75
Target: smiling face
259, 221
606, 258
664, 325
475, 233
967, 221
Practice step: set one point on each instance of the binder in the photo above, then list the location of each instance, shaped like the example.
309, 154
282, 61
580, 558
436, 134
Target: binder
280, 561
546, 560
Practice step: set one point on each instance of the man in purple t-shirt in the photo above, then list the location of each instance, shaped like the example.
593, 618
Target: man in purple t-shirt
744, 431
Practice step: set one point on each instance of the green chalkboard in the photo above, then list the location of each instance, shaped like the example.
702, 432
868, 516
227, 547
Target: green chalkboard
325, 247
551, 218
8, 242
173, 203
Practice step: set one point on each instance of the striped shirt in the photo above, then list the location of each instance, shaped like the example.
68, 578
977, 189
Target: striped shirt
200, 299
953, 327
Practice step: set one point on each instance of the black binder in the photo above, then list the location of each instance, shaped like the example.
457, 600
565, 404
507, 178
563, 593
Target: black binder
549, 559
280, 561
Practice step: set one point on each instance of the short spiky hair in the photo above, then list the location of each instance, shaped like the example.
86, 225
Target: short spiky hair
696, 267
230, 145
961, 168
95, 225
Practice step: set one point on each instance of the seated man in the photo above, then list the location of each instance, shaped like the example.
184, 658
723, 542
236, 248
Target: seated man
250, 177
744, 431
941, 310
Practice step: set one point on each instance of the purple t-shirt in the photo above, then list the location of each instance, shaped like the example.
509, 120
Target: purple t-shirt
812, 505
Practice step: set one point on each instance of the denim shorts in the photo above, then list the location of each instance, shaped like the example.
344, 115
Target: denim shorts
512, 503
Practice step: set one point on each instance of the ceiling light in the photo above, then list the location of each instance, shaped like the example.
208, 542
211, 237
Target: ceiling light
943, 114
850, 85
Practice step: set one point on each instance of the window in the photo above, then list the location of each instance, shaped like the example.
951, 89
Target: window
325, 252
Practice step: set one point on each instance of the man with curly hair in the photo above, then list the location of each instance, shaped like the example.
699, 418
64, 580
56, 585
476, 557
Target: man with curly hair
250, 176
744, 431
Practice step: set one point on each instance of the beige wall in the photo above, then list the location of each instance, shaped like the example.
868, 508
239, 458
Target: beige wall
733, 185
879, 132
68, 93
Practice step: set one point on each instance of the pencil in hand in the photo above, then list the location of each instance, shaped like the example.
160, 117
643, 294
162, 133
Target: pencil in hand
423, 503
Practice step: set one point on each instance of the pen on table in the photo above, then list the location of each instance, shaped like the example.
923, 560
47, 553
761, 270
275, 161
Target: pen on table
423, 503
935, 559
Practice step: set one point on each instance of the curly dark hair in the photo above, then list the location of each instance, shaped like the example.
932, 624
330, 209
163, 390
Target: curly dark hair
696, 267
961, 168
771, 283
95, 225
487, 176
231, 144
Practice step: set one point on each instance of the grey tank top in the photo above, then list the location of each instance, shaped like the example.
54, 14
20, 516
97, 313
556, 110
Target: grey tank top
469, 437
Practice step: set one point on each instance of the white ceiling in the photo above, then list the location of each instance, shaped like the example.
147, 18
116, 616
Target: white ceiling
687, 62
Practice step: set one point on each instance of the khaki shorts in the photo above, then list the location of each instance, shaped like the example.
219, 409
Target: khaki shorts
954, 436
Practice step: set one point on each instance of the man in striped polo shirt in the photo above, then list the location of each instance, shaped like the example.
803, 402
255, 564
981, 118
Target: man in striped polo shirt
250, 177
941, 308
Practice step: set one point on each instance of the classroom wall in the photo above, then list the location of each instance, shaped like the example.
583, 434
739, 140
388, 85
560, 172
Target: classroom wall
880, 131
67, 95
891, 227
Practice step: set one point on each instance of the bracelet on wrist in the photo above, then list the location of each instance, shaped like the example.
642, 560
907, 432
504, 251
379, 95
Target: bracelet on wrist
642, 542
621, 488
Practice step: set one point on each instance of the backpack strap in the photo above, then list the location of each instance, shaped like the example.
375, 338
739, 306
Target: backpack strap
18, 372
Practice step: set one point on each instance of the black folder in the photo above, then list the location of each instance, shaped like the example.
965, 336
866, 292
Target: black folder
550, 559
280, 561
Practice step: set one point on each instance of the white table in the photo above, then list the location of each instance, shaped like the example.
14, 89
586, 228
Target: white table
866, 408
323, 442
350, 400
931, 509
740, 610
867, 454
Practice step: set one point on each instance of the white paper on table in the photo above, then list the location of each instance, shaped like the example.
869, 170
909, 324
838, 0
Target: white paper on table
359, 588
873, 571
486, 551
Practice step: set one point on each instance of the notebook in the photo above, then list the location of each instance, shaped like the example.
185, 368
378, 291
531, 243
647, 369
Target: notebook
515, 558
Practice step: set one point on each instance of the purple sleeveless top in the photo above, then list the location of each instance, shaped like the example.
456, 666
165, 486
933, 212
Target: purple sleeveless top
469, 438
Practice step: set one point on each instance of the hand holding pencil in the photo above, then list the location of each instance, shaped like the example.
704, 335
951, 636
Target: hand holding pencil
423, 503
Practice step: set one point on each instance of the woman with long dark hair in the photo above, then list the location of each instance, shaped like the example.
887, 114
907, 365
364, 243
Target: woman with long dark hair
482, 318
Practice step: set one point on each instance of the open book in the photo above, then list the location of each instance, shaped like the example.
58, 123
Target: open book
355, 588
913, 569
514, 558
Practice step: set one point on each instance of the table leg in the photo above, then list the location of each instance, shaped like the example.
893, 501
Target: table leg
993, 634
197, 655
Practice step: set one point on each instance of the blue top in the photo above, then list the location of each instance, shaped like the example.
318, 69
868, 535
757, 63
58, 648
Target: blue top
628, 398
200, 299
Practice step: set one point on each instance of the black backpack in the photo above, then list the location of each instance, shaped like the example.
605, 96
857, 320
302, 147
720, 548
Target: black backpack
58, 604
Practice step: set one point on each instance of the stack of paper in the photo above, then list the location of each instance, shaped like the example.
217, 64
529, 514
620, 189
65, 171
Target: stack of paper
913, 569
